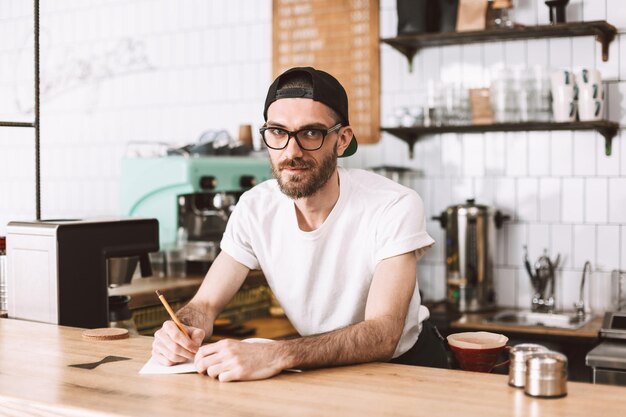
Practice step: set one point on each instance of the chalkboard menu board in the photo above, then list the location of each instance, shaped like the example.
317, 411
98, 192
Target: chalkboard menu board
341, 38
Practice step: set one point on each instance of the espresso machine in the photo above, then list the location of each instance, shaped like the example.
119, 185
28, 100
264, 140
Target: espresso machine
192, 196
59, 270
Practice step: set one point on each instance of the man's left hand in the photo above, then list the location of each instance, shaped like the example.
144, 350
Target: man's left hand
232, 360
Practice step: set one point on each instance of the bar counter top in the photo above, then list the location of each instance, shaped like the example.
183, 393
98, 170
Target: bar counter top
36, 380
142, 294
590, 330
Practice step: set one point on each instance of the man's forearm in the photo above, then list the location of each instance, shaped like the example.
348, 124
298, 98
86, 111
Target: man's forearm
367, 341
195, 315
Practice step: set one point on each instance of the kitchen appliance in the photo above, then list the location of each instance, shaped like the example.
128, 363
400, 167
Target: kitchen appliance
58, 269
608, 359
470, 239
120, 270
192, 196
120, 315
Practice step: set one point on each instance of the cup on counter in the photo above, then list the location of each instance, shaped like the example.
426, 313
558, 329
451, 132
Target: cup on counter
157, 262
478, 351
176, 263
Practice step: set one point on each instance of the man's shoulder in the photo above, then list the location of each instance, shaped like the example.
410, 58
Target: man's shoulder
263, 194
371, 185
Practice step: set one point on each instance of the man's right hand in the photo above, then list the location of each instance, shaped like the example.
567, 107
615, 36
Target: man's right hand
171, 346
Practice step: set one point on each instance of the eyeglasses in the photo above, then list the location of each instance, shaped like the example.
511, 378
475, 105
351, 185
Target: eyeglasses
308, 139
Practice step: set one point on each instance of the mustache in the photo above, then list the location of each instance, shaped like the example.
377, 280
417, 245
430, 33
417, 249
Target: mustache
296, 163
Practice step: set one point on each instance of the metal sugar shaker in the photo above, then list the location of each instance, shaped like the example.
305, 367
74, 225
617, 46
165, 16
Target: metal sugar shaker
517, 367
546, 375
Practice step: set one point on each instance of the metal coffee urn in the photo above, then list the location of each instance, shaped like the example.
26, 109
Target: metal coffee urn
470, 241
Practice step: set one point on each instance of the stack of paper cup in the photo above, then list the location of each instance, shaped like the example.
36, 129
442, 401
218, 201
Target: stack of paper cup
590, 95
564, 96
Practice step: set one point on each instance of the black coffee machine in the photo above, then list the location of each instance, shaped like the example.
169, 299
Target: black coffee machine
58, 270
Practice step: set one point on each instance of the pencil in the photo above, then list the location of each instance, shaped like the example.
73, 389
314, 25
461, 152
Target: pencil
172, 314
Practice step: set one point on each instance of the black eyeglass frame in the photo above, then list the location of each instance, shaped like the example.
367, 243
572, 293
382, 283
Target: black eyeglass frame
294, 134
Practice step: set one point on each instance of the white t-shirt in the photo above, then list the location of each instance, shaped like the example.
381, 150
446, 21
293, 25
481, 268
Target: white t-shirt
322, 278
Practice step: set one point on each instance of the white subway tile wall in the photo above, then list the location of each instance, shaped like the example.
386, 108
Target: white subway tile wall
118, 71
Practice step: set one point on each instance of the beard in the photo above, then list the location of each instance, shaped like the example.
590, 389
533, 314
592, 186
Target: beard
312, 178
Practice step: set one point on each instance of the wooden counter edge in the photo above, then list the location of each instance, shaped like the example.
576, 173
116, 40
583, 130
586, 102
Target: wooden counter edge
590, 330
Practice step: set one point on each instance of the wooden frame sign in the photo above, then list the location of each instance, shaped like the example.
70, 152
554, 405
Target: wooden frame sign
340, 37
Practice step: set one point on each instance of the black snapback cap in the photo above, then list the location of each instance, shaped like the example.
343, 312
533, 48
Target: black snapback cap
326, 89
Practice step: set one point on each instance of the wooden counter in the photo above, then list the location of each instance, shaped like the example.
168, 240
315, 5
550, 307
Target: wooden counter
590, 330
141, 290
35, 380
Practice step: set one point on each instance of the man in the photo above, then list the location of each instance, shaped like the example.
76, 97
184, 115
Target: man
338, 248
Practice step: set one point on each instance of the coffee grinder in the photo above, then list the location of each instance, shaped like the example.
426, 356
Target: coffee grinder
58, 270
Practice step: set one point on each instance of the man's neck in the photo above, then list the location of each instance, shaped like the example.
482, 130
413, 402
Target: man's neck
312, 211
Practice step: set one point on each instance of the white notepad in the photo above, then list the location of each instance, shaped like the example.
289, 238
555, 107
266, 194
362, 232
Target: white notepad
152, 367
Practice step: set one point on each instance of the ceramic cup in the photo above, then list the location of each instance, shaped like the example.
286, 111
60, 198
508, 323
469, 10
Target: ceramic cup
588, 76
590, 95
478, 351
590, 109
590, 92
564, 106
562, 77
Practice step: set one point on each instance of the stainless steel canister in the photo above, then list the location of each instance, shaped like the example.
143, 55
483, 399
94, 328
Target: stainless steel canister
470, 241
546, 375
517, 366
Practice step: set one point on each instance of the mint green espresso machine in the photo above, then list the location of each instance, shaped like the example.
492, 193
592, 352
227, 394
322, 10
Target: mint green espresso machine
191, 196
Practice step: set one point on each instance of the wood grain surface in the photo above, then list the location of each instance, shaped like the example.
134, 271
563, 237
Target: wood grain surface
141, 290
36, 380
468, 322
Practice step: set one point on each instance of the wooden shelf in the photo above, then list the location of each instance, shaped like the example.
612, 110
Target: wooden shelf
412, 134
408, 45
17, 124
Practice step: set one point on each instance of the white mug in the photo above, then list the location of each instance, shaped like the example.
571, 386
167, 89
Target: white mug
562, 77
589, 76
590, 109
564, 103
592, 91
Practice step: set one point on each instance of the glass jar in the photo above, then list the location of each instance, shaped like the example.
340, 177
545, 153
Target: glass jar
498, 14
618, 293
